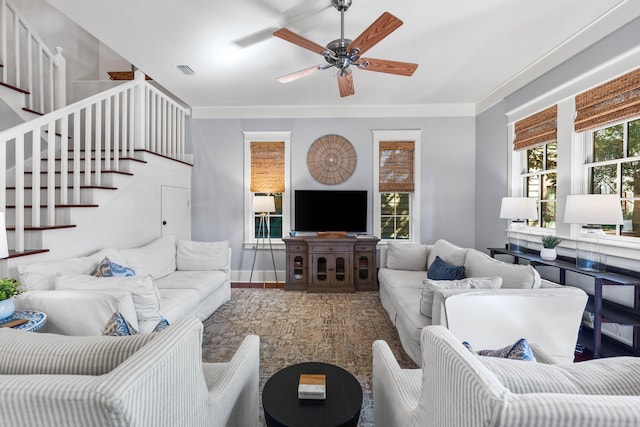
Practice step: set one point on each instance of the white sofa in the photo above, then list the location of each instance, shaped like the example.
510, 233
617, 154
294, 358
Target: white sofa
456, 388
525, 306
154, 380
173, 278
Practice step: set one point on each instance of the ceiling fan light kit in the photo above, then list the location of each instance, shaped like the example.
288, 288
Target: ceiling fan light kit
342, 53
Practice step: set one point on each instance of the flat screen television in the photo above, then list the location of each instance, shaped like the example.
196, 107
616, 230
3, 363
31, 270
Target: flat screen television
330, 210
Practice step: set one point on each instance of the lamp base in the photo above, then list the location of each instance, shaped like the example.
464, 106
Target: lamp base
589, 256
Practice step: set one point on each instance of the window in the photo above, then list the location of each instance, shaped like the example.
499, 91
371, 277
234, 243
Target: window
540, 182
536, 139
396, 199
613, 167
266, 168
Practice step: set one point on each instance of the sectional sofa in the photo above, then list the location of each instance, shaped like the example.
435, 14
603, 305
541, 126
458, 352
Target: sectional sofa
495, 304
164, 280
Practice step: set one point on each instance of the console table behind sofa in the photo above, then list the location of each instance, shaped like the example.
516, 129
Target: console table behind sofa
603, 311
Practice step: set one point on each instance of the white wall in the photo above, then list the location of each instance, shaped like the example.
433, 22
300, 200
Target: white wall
447, 180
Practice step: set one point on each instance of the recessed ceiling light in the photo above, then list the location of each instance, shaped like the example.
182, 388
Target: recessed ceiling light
185, 69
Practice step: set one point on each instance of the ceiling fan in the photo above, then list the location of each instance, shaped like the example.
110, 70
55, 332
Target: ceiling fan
342, 53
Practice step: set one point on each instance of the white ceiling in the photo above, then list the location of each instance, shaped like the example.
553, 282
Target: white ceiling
470, 53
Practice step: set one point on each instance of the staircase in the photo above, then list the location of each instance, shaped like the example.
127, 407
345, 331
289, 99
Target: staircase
64, 166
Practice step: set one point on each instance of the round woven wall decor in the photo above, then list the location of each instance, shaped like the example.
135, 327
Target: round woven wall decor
331, 159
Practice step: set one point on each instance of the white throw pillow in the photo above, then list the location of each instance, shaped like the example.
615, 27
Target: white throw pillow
430, 286
157, 258
143, 291
514, 276
407, 256
448, 252
197, 256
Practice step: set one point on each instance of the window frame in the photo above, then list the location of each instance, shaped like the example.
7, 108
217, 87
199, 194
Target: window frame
414, 199
588, 147
525, 173
249, 216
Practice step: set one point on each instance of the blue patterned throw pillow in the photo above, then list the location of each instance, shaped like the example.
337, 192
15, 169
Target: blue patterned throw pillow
162, 324
118, 326
441, 270
518, 351
107, 268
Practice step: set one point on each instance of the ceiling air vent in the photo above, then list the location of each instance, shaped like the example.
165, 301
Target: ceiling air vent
186, 69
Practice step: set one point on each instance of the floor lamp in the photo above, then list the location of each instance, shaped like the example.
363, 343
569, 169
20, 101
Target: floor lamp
518, 209
591, 210
263, 205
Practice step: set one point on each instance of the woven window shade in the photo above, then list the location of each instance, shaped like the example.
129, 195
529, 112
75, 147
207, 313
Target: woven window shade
396, 166
615, 100
267, 167
537, 129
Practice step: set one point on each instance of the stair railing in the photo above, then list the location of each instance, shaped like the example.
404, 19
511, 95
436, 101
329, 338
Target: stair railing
106, 128
28, 64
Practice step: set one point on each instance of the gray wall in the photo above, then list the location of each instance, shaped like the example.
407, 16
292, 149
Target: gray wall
447, 180
492, 144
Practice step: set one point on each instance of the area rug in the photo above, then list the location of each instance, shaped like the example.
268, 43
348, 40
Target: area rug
297, 327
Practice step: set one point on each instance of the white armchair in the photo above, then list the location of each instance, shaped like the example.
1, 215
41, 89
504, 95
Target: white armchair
153, 380
456, 388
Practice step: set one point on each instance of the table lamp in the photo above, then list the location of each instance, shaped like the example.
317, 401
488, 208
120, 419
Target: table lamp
518, 210
591, 211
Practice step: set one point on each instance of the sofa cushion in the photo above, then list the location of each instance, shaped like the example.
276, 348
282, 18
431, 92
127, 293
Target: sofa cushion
514, 276
175, 304
197, 256
448, 252
441, 270
156, 259
430, 286
407, 256
142, 289
108, 268
204, 282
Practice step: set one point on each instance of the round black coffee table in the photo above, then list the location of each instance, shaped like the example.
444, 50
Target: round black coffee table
283, 408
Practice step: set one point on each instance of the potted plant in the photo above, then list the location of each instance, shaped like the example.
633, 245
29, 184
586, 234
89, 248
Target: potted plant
548, 251
9, 288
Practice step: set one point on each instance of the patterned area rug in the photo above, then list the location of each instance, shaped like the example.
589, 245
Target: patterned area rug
297, 327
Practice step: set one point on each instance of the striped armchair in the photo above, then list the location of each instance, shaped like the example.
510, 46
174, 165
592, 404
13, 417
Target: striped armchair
459, 389
153, 380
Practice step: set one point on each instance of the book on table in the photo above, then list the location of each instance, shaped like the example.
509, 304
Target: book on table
312, 386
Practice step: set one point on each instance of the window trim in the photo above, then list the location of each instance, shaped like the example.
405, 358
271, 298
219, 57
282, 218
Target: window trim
397, 135
266, 136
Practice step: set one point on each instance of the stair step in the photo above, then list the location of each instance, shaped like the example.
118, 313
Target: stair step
124, 75
26, 252
43, 227
17, 89
57, 206
29, 110
83, 172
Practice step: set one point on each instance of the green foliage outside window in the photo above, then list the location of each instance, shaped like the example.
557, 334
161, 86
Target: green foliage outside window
616, 170
541, 183
395, 216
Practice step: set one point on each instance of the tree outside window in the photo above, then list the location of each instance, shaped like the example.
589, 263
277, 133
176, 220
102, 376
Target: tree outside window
615, 169
540, 180
395, 216
275, 219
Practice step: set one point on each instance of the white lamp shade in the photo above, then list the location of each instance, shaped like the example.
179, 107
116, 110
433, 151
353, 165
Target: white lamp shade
593, 209
518, 208
4, 247
262, 204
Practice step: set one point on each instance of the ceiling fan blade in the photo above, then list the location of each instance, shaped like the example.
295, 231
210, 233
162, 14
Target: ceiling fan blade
292, 37
300, 74
381, 28
385, 66
345, 84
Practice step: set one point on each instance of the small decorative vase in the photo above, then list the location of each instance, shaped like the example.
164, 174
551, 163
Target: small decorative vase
548, 254
6, 308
